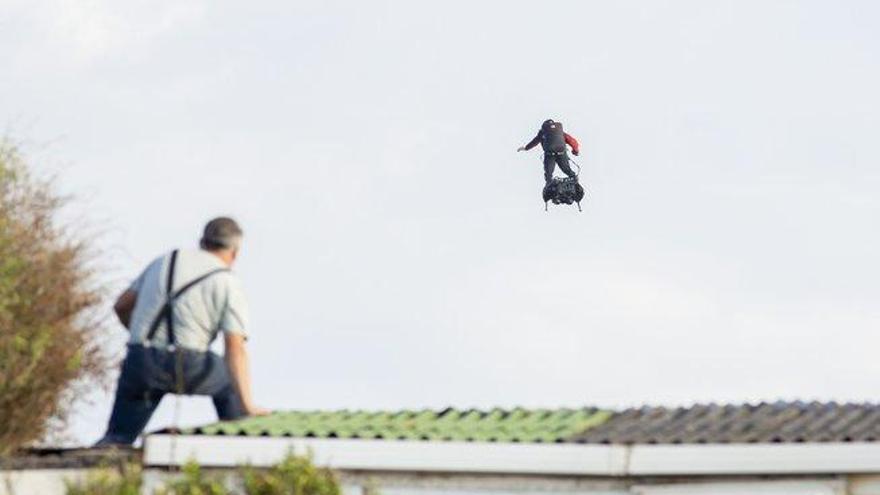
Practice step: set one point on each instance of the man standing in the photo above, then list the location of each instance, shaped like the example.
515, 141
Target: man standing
174, 310
553, 140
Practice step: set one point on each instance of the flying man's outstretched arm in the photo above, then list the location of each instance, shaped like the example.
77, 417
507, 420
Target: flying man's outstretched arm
534, 142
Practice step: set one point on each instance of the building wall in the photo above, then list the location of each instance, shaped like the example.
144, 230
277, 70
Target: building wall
432, 484
388, 483
863, 484
747, 487
38, 481
52, 482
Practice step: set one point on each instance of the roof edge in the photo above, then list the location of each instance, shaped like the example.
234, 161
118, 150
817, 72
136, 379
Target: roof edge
507, 458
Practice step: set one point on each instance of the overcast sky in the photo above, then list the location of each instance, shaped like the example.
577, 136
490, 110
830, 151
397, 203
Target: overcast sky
398, 254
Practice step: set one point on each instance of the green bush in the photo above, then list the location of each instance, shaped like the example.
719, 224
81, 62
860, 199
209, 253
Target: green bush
108, 481
293, 476
194, 482
49, 330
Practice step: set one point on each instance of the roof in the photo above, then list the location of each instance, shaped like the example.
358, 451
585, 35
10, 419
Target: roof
778, 422
61, 458
496, 425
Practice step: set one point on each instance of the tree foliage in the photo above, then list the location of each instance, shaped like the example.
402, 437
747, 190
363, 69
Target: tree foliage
194, 482
48, 326
292, 476
124, 479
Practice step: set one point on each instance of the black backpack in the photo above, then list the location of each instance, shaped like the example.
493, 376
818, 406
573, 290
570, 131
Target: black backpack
552, 136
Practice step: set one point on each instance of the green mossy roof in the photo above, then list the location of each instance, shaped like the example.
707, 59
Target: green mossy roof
496, 425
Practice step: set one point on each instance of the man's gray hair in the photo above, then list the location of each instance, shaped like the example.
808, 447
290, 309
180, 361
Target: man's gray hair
221, 233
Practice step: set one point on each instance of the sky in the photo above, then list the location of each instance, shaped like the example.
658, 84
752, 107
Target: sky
397, 251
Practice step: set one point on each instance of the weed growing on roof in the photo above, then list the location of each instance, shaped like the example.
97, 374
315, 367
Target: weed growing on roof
125, 480
49, 352
194, 482
293, 476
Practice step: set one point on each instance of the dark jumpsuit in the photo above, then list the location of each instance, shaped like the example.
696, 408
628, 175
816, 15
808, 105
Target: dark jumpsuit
557, 156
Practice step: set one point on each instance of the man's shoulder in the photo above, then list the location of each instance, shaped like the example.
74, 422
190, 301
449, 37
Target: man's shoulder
197, 256
156, 263
197, 262
193, 262
227, 287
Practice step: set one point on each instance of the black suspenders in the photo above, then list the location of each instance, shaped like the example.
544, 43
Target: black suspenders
166, 312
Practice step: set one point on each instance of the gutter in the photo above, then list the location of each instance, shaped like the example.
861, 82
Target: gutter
163, 450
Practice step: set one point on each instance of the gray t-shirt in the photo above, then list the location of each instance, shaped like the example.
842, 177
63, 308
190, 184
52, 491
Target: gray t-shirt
216, 304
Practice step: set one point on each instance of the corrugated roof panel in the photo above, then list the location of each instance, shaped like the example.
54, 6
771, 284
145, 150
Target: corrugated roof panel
777, 422
774, 422
496, 425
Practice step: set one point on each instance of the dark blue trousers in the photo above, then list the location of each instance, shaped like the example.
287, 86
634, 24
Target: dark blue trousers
148, 373
553, 159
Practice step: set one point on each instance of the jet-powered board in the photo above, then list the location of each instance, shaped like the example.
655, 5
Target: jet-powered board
563, 191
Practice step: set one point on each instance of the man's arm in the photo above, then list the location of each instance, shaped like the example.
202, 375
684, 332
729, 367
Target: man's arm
124, 306
571, 141
239, 369
534, 142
